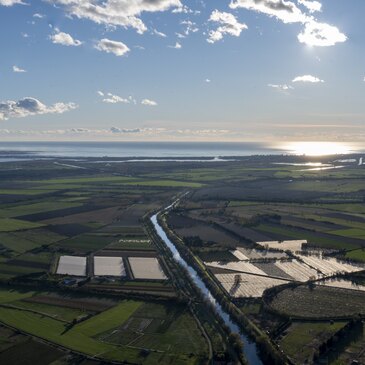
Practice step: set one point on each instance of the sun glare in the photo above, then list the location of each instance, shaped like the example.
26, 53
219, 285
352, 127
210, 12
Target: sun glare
317, 148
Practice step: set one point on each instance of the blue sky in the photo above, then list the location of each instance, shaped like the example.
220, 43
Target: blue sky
240, 70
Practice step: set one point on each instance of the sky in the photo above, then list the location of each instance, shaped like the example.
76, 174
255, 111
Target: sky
182, 70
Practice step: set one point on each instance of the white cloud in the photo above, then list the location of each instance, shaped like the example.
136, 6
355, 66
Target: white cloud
307, 78
148, 102
11, 2
190, 27
176, 46
228, 25
39, 16
314, 33
321, 35
18, 69
100, 93
125, 130
64, 38
312, 6
123, 13
115, 99
208, 80
109, 46
283, 87
30, 106
286, 11
160, 34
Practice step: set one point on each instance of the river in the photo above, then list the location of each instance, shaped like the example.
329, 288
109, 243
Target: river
249, 348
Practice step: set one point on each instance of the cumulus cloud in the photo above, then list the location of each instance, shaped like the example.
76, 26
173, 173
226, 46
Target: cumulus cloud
30, 106
125, 13
109, 46
307, 78
312, 6
64, 38
321, 35
228, 25
286, 11
314, 33
148, 102
11, 2
18, 69
281, 87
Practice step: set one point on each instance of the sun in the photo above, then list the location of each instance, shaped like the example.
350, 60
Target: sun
317, 148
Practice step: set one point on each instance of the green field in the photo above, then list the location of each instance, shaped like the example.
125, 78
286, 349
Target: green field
170, 331
10, 225
303, 339
40, 207
358, 255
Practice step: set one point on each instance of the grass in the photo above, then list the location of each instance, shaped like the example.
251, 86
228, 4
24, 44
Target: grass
78, 338
320, 302
61, 313
40, 207
10, 225
303, 339
24, 192
109, 319
16, 243
180, 337
7, 295
87, 180
86, 242
313, 238
352, 233
358, 255
167, 183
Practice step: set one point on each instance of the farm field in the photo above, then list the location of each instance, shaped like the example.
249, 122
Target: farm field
247, 286
146, 268
302, 340
108, 266
329, 302
72, 265
131, 303
164, 327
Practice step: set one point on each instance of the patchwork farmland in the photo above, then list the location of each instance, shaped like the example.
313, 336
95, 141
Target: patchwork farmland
81, 270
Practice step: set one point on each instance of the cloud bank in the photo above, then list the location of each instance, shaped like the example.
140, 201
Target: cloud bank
30, 106
124, 13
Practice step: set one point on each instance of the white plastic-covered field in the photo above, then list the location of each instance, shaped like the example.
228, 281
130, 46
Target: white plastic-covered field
297, 270
239, 255
146, 268
247, 285
240, 266
292, 245
330, 266
344, 284
72, 265
108, 266
257, 254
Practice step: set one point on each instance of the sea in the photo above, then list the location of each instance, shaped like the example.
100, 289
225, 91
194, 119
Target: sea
145, 149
